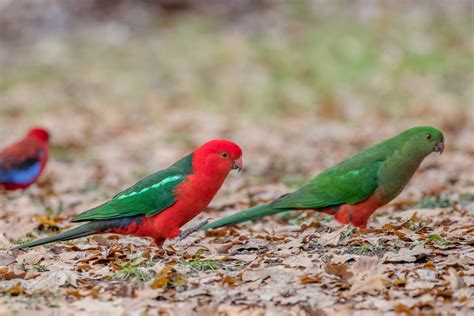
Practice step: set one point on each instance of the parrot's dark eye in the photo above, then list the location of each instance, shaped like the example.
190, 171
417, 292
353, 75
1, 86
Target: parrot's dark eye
428, 136
224, 154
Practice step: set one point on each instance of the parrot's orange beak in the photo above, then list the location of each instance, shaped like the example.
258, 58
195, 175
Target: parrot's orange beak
439, 148
238, 164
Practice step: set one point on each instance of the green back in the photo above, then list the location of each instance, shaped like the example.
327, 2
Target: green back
386, 167
349, 182
149, 196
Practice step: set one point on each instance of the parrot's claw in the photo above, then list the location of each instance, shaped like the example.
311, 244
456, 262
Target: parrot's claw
185, 233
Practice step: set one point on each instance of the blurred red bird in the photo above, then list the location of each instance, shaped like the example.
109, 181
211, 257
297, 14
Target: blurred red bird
22, 163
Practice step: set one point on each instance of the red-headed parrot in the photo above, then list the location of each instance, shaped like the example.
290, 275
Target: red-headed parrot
21, 163
353, 189
158, 205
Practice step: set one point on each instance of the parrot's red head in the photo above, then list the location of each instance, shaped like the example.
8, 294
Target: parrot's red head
218, 156
38, 133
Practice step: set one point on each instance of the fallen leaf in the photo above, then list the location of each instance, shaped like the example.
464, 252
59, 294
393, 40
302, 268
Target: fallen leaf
228, 280
366, 265
343, 258
276, 273
407, 255
331, 239
245, 258
340, 270
311, 278
15, 289
250, 245
30, 258
455, 281
6, 259
4, 242
299, 262
253, 275
18, 228
169, 278
51, 281
415, 285
14, 272
403, 309
49, 221
370, 285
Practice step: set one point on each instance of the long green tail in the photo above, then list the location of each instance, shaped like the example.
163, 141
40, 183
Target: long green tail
258, 211
77, 232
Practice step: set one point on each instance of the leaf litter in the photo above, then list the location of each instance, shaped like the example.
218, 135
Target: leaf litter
409, 259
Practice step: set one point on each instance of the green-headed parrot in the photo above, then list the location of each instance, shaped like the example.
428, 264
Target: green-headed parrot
353, 189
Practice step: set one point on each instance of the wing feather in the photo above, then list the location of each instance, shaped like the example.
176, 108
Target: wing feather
149, 196
333, 187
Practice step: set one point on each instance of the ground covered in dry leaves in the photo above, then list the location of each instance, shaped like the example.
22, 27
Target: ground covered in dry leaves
416, 256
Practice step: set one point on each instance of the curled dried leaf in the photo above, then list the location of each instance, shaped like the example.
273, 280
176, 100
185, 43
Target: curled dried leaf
341, 270
168, 277
15, 289
311, 278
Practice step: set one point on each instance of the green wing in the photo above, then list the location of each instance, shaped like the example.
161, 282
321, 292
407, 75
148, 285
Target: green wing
149, 196
341, 184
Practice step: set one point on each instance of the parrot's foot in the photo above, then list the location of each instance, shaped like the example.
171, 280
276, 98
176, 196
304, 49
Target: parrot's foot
185, 233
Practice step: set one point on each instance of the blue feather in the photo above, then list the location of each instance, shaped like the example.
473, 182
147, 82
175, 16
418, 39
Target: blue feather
123, 221
21, 176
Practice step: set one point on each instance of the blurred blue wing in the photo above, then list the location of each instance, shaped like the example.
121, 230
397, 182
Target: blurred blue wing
23, 175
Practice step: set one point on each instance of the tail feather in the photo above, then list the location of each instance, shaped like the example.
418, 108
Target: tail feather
256, 212
77, 232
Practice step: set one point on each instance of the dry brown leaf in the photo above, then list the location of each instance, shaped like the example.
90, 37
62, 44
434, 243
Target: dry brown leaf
49, 221
331, 239
245, 258
250, 245
299, 262
17, 228
370, 285
455, 281
51, 281
340, 270
91, 306
366, 265
228, 280
311, 278
6, 259
403, 309
102, 241
343, 258
15, 289
30, 257
407, 255
71, 255
415, 285
13, 272
399, 282
169, 278
4, 242
253, 275
221, 232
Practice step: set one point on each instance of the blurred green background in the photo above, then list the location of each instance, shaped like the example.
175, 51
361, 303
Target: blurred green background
331, 59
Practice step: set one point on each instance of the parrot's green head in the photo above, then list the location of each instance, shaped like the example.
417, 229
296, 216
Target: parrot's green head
422, 140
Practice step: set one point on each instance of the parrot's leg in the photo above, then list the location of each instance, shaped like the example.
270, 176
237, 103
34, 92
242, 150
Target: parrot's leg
159, 241
185, 233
